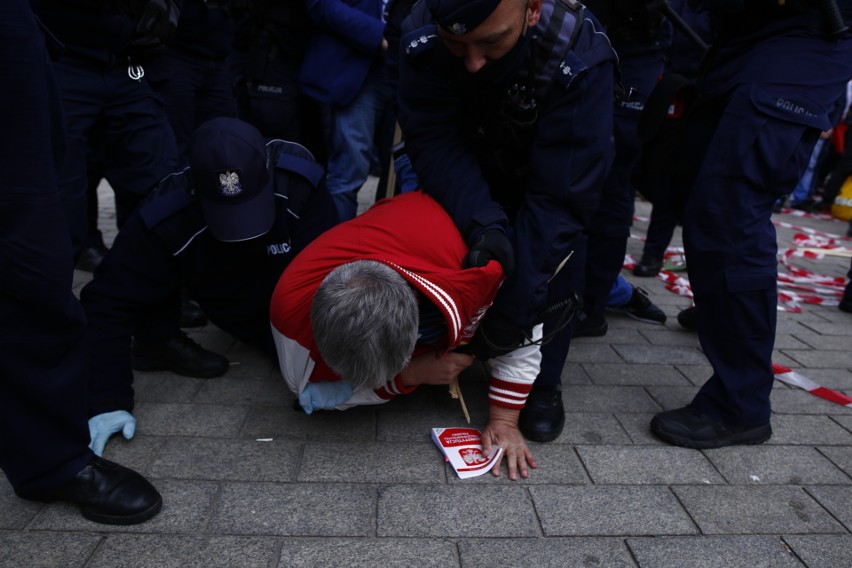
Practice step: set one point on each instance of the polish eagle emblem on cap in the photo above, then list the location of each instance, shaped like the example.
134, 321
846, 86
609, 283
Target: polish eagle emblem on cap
229, 184
458, 28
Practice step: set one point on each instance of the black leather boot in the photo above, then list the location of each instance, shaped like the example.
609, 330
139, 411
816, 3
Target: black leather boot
180, 355
107, 493
543, 417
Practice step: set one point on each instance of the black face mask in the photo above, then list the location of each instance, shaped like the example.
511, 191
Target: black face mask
497, 71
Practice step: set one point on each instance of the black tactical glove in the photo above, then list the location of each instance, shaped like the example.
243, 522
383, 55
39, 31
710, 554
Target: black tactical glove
157, 26
496, 336
492, 244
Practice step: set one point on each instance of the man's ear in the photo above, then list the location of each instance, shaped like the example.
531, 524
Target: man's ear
533, 12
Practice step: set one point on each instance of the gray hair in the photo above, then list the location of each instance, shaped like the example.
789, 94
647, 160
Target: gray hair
365, 319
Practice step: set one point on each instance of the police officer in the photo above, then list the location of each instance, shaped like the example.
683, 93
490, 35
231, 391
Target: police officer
775, 79
506, 107
100, 83
226, 227
44, 441
640, 37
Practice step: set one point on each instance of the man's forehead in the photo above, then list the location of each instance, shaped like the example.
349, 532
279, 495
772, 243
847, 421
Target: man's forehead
459, 17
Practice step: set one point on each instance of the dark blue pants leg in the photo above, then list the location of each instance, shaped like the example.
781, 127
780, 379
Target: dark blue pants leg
43, 422
731, 249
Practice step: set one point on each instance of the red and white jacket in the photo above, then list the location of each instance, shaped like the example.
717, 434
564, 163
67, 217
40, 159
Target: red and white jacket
412, 234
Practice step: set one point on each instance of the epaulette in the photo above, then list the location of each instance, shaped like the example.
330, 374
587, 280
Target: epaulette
292, 158
171, 196
420, 40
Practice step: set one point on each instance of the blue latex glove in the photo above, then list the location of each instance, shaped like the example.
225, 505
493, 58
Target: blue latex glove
324, 395
102, 426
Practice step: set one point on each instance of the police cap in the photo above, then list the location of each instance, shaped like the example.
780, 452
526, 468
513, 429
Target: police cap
230, 168
461, 16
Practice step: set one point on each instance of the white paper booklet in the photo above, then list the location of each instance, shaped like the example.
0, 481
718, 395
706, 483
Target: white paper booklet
463, 449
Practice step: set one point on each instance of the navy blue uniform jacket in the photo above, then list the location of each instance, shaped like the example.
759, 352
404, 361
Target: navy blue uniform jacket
166, 243
549, 198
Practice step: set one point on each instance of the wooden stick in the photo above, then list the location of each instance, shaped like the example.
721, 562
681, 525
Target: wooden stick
455, 392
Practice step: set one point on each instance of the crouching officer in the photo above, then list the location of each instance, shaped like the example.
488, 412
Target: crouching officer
226, 227
506, 107
774, 80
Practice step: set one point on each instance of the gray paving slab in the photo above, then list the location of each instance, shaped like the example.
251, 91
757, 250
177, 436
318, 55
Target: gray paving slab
798, 401
811, 430
592, 428
557, 464
671, 397
282, 422
836, 379
647, 465
137, 453
830, 328
697, 374
364, 553
209, 420
821, 359
664, 336
837, 499
41, 549
839, 456
669, 355
187, 506
845, 421
407, 426
227, 460
456, 511
607, 399
786, 341
589, 352
775, 465
609, 511
165, 387
15, 512
616, 334
638, 428
372, 463
327, 510
244, 391
569, 552
822, 551
713, 552
824, 342
639, 374
575, 374
127, 551
744, 510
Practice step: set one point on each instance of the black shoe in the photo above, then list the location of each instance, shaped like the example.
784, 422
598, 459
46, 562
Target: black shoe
107, 493
845, 304
641, 308
591, 327
691, 428
688, 318
647, 267
180, 355
543, 417
191, 314
91, 257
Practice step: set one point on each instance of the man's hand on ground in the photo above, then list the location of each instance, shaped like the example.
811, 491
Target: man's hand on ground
502, 430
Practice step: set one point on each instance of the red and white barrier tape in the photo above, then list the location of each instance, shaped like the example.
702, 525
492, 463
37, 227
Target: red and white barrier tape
793, 378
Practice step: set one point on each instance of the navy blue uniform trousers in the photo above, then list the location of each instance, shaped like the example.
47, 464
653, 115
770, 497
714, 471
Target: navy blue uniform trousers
139, 146
610, 228
43, 422
774, 98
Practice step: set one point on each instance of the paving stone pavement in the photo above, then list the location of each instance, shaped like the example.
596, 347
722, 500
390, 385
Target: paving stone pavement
249, 482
